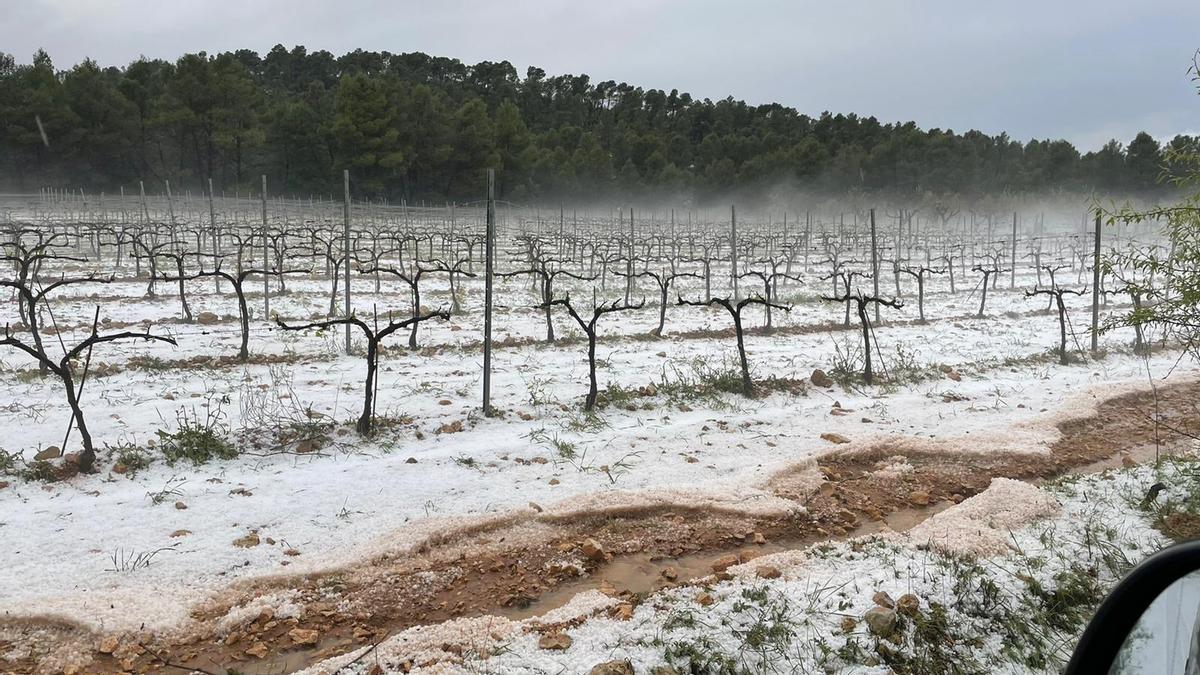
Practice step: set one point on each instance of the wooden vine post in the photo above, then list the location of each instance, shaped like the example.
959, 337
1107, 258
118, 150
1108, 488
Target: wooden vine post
346, 235
489, 238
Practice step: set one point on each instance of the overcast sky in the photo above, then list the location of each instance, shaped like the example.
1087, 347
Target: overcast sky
1084, 70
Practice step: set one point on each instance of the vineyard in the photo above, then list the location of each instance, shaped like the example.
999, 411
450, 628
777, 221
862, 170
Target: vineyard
249, 433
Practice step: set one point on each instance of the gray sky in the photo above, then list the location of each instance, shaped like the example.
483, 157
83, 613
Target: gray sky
1084, 70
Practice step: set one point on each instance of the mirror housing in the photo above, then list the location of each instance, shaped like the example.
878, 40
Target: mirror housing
1120, 612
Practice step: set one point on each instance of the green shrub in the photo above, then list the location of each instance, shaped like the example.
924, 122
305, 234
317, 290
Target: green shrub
128, 455
41, 471
8, 461
198, 439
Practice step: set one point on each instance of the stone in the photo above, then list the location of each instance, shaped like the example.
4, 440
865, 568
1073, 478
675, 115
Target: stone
767, 572
908, 604
180, 506
555, 641
664, 670
881, 621
258, 650
109, 644
918, 498
249, 541
704, 599
724, 562
883, 600
820, 379
954, 375
622, 667
304, 636
592, 549
411, 460
836, 439
670, 574
207, 318
759, 538
848, 624
180, 533
48, 453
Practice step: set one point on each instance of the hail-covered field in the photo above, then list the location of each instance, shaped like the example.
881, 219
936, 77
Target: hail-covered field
235, 517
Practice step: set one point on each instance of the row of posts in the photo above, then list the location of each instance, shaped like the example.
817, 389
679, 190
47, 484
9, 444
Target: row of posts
489, 250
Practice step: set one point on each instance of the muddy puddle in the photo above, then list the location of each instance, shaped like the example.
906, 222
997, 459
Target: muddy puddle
643, 573
1145, 453
282, 663
632, 573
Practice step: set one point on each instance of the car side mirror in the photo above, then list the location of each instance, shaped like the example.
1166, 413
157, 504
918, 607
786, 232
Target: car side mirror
1149, 623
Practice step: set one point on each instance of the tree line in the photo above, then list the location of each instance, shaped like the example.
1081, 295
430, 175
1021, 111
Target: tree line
422, 128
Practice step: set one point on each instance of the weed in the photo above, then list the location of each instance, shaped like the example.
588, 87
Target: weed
700, 379
275, 411
617, 395
622, 466
198, 438
171, 490
8, 461
701, 655
1178, 515
130, 457
762, 624
768, 629
151, 363
132, 561
41, 471
564, 449
906, 368
538, 389
583, 420
28, 376
847, 363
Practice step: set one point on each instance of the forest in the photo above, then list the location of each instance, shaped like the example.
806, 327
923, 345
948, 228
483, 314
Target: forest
419, 128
